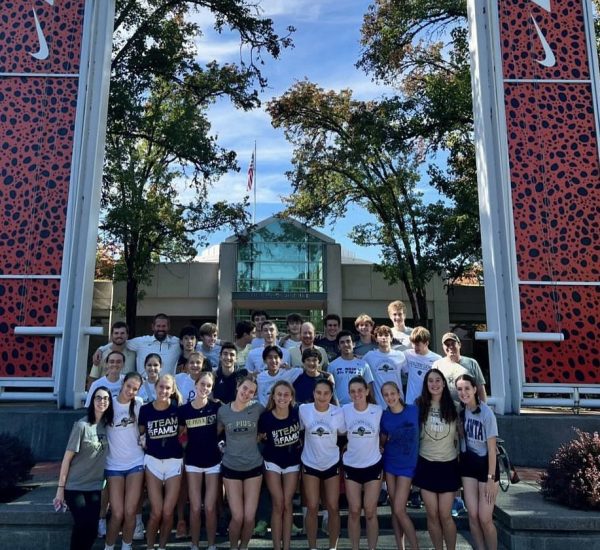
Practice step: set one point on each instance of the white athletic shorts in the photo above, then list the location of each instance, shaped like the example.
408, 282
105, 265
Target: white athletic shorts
165, 468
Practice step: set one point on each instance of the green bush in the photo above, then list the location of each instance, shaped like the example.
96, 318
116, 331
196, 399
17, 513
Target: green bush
573, 475
16, 461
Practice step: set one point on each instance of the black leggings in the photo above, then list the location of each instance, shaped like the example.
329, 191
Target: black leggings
85, 509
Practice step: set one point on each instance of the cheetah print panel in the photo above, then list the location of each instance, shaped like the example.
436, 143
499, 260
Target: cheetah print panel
38, 38
574, 310
521, 46
554, 177
555, 184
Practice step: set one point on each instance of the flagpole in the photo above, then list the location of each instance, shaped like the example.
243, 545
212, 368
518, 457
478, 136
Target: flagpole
254, 215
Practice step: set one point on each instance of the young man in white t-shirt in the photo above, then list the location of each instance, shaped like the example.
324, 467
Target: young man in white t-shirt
347, 366
418, 361
400, 332
254, 361
386, 364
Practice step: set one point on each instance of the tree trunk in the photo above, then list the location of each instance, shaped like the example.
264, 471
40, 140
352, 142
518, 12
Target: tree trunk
131, 300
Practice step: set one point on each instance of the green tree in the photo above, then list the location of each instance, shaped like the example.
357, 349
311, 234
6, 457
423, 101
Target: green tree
161, 158
366, 153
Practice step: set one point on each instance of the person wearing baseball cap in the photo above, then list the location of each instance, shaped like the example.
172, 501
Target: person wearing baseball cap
449, 365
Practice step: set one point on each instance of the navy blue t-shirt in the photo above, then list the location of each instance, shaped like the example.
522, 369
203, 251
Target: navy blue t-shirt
202, 450
283, 444
304, 386
225, 387
162, 429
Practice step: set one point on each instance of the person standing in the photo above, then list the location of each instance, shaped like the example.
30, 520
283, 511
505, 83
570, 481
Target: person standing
347, 366
245, 332
363, 466
152, 368
386, 364
242, 463
478, 462
333, 325
400, 442
255, 362
450, 364
322, 423
304, 385
307, 341
159, 430
160, 342
82, 469
364, 325
113, 379
228, 374
400, 332
437, 472
419, 360
119, 332
124, 470
198, 420
279, 429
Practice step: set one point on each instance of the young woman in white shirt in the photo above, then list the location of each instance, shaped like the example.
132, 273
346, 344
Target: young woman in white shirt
152, 368
322, 423
363, 465
124, 468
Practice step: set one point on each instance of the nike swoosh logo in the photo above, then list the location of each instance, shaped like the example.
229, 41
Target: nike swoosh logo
549, 59
43, 51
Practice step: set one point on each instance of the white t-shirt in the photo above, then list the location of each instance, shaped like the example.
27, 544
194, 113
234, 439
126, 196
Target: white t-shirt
478, 428
113, 387
265, 382
416, 367
362, 430
124, 452
186, 386
343, 370
401, 340
385, 367
147, 391
255, 363
321, 430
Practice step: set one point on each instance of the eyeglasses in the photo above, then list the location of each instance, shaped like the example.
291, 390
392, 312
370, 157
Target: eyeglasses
102, 398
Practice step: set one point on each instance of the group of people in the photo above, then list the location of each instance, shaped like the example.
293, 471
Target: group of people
294, 412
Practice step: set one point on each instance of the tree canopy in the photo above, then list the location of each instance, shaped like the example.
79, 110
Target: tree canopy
371, 153
161, 157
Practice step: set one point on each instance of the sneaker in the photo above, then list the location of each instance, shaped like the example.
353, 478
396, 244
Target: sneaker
126, 546
194, 547
415, 500
297, 531
101, 528
181, 532
261, 529
138, 532
458, 507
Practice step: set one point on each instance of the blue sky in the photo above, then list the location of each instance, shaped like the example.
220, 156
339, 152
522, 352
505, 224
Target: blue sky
326, 49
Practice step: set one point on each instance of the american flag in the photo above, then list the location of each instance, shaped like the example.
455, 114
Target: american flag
250, 174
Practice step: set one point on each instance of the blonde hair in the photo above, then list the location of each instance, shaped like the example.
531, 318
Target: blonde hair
176, 393
420, 334
271, 401
195, 355
397, 304
364, 318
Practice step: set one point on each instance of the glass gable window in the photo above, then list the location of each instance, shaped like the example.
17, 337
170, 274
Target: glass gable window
281, 258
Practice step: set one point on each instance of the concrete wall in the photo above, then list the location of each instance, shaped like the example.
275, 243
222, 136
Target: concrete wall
365, 290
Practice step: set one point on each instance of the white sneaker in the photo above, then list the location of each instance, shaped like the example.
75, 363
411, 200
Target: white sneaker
101, 528
138, 532
126, 546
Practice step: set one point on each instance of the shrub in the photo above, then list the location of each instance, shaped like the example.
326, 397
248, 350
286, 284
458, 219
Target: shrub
16, 461
573, 475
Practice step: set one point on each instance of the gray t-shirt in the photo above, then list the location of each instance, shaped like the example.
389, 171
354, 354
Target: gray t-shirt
90, 445
241, 450
479, 427
474, 369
